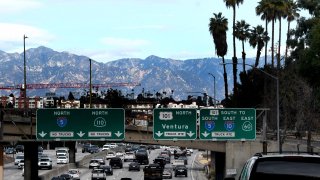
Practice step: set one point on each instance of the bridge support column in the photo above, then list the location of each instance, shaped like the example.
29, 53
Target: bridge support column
72, 151
218, 164
31, 160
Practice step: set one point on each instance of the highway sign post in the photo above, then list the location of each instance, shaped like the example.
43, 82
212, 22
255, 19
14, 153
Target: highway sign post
227, 124
80, 124
174, 124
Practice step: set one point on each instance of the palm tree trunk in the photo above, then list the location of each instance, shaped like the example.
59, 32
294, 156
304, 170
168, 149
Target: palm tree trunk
243, 58
225, 79
266, 48
278, 56
288, 36
234, 59
272, 44
257, 57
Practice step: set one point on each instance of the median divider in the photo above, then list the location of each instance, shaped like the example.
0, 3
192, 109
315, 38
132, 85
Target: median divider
56, 171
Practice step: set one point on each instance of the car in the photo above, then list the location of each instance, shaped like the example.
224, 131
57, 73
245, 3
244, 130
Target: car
128, 156
180, 170
119, 154
166, 157
19, 148
18, 159
58, 178
66, 176
190, 150
85, 147
45, 163
167, 174
107, 169
106, 147
94, 163
134, 166
128, 149
184, 158
75, 173
110, 155
10, 150
116, 162
101, 160
160, 160
93, 149
98, 174
281, 166
21, 164
61, 152
62, 160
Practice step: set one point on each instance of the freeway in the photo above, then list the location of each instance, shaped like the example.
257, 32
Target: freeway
195, 168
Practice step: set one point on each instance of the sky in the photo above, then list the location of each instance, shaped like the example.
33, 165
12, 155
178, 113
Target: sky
107, 30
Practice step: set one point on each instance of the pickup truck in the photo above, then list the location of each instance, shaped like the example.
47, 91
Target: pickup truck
129, 156
98, 174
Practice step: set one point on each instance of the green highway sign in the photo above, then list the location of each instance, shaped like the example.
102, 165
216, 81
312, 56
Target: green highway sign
80, 124
174, 124
227, 124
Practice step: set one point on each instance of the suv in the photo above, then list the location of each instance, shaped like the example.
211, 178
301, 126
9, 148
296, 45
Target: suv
281, 166
19, 148
116, 162
180, 170
18, 159
45, 163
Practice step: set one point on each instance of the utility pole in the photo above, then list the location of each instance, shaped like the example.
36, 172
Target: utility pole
214, 89
90, 85
24, 72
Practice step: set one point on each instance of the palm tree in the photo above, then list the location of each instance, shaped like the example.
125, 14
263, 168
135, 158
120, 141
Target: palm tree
292, 14
242, 33
218, 27
262, 9
233, 4
257, 39
280, 12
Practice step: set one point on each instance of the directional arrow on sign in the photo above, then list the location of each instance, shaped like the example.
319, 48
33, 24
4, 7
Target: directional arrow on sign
42, 134
190, 133
118, 133
205, 134
80, 134
159, 133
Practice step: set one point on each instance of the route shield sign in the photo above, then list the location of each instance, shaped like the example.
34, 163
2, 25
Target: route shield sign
80, 124
227, 124
174, 124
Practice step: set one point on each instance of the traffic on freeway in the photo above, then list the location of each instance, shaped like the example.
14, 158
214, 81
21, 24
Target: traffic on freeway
133, 161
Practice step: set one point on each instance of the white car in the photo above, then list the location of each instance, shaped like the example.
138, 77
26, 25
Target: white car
191, 150
129, 156
18, 159
75, 173
106, 147
21, 164
119, 154
110, 155
45, 163
62, 160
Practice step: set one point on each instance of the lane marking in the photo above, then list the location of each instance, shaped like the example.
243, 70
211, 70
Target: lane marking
194, 158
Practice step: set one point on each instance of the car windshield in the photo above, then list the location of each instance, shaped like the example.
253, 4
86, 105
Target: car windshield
73, 172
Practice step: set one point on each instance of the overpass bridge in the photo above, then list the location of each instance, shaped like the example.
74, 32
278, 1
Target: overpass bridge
227, 156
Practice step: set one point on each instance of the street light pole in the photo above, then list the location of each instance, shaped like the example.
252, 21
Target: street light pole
278, 115
214, 89
24, 71
90, 85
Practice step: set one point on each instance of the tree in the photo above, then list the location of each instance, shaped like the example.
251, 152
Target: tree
257, 38
70, 96
292, 14
262, 9
242, 33
233, 4
218, 27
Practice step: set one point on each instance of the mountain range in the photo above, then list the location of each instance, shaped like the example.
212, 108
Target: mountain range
177, 78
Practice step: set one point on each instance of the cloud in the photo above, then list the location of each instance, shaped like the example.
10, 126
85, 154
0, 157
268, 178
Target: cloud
143, 27
11, 36
13, 6
122, 42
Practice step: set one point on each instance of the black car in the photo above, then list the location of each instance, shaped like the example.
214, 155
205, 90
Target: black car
116, 162
86, 147
19, 148
66, 176
134, 166
160, 160
58, 178
128, 149
107, 169
93, 149
180, 170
